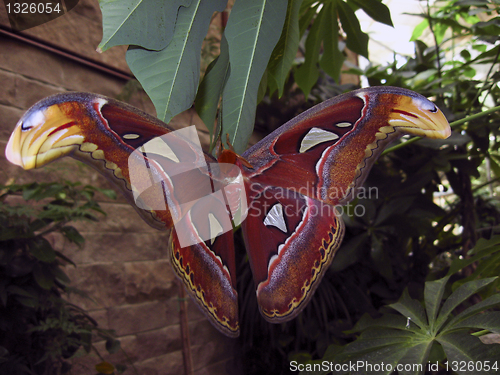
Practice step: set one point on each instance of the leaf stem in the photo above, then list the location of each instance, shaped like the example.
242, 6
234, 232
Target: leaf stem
480, 333
457, 123
436, 44
476, 188
485, 82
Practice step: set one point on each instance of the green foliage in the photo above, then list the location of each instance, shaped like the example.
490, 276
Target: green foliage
284, 53
463, 46
168, 74
322, 42
420, 333
485, 257
248, 57
39, 328
258, 48
126, 21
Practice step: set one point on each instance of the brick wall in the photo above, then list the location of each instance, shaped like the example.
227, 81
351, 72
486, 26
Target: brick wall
124, 264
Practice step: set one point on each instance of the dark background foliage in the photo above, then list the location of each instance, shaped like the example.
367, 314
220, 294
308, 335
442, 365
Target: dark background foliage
40, 329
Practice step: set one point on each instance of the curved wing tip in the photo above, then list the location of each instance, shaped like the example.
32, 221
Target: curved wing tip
11, 153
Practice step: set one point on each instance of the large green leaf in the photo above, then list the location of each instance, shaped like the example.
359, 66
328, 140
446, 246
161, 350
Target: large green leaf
415, 357
286, 49
433, 295
460, 295
252, 31
357, 41
375, 9
375, 347
333, 59
146, 23
308, 73
307, 13
488, 320
411, 309
470, 313
464, 352
210, 90
385, 321
170, 77
324, 33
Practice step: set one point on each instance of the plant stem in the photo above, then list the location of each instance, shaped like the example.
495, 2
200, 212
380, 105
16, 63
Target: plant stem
486, 183
480, 333
485, 82
457, 123
186, 345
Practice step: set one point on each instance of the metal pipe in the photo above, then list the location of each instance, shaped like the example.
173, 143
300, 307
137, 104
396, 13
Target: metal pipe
46, 46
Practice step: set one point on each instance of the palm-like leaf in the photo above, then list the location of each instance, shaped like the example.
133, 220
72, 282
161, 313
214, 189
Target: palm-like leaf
407, 340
